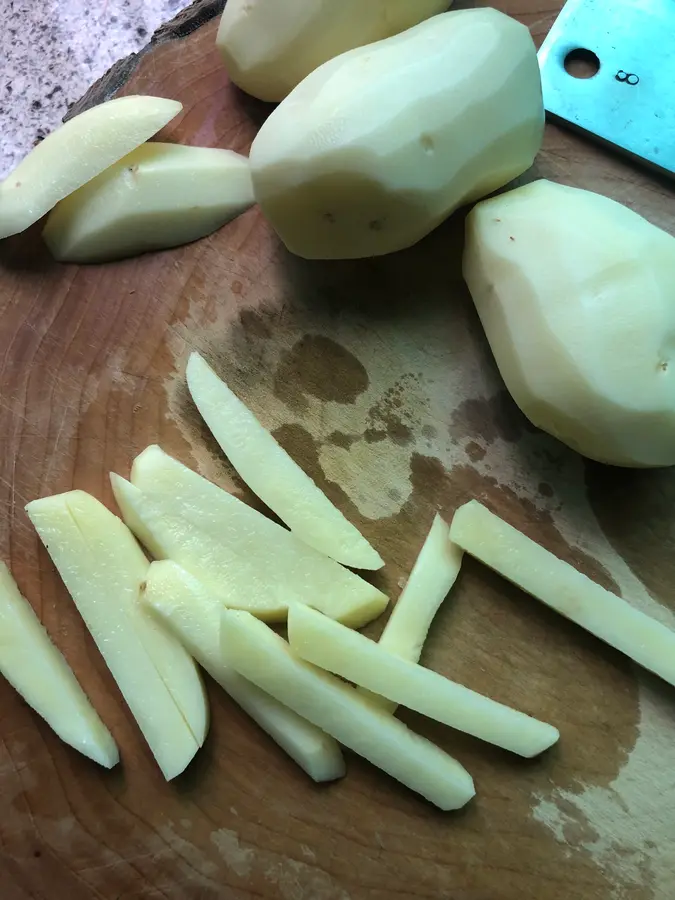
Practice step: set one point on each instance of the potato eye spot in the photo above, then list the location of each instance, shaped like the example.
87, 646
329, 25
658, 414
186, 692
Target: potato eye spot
427, 143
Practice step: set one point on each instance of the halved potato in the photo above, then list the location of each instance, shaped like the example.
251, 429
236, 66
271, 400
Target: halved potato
192, 612
351, 655
250, 561
378, 146
75, 153
560, 586
433, 575
264, 658
37, 670
158, 196
104, 569
268, 46
271, 473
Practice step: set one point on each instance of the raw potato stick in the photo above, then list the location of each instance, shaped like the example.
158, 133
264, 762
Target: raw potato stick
170, 537
37, 670
93, 551
433, 575
75, 153
264, 658
557, 584
353, 656
271, 473
251, 561
113, 545
192, 613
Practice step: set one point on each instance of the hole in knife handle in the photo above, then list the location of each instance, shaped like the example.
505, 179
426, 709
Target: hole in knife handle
581, 63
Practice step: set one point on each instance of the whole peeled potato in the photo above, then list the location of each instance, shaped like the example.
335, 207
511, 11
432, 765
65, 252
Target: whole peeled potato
577, 297
269, 46
378, 146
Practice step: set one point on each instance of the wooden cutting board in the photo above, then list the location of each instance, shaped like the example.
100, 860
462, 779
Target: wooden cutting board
375, 375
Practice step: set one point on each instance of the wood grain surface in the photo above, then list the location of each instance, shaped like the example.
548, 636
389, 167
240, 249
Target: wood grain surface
375, 375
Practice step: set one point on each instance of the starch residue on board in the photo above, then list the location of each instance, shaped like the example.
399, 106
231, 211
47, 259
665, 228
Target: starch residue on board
294, 879
628, 826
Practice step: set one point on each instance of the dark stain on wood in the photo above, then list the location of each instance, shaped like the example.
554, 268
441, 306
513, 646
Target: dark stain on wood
319, 367
490, 418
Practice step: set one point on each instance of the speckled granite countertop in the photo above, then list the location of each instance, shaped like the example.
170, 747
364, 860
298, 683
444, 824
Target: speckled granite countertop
52, 50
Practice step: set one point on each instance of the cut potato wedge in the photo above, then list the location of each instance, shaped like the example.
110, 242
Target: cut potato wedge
351, 655
250, 561
158, 196
271, 473
559, 585
433, 575
37, 670
264, 658
268, 46
75, 153
171, 537
192, 612
104, 569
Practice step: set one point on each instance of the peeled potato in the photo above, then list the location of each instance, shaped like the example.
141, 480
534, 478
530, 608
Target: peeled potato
75, 153
158, 196
378, 146
269, 46
577, 297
